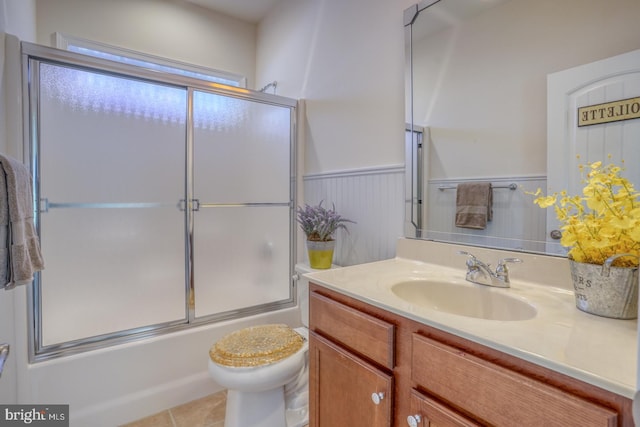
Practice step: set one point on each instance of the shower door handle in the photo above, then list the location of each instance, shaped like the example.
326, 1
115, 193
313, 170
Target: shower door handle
194, 205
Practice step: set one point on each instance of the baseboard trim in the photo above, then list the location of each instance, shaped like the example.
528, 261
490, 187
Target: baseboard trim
141, 404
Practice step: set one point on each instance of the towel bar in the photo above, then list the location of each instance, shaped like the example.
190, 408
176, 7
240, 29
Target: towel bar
512, 186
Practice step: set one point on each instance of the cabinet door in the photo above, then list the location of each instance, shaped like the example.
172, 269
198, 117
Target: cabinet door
345, 390
427, 412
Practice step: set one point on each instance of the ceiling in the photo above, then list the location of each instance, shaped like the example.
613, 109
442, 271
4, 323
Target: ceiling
247, 10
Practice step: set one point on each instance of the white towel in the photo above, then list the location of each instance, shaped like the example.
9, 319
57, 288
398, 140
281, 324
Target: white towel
20, 255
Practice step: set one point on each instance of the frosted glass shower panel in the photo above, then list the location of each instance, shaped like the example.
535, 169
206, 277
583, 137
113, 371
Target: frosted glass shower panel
241, 258
110, 139
242, 179
110, 270
112, 171
242, 150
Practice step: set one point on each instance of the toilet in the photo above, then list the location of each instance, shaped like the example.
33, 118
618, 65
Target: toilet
265, 370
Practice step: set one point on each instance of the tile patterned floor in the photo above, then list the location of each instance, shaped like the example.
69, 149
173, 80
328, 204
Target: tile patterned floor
205, 412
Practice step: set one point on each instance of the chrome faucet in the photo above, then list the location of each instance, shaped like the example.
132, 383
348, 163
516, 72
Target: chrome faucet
481, 273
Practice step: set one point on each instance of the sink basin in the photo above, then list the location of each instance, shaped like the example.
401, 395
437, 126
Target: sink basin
482, 302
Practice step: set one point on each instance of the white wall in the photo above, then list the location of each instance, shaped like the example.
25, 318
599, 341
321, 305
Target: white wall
17, 18
172, 29
346, 59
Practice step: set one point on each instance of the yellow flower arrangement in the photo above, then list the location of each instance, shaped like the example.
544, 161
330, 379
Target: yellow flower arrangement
605, 221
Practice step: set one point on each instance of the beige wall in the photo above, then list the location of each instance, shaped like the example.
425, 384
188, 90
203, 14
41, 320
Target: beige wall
172, 29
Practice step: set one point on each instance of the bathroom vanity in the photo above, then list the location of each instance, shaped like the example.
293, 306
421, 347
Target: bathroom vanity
380, 358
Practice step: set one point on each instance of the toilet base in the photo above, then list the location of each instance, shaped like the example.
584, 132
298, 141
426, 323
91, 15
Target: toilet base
256, 409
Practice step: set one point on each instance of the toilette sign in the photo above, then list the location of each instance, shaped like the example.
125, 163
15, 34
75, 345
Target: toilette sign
626, 109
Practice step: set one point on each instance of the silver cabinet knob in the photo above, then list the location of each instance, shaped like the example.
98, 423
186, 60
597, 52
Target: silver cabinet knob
377, 397
413, 420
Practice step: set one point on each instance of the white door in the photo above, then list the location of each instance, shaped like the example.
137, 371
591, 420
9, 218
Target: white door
569, 145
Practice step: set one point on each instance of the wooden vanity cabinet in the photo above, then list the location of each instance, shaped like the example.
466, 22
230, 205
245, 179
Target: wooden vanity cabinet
436, 378
351, 361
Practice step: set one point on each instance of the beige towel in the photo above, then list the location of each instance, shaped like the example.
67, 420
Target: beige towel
474, 205
20, 255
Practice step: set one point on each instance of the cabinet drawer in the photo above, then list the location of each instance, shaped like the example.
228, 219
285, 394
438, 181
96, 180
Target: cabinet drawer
364, 334
496, 395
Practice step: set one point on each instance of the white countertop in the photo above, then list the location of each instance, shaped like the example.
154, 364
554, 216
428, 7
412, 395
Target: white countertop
594, 349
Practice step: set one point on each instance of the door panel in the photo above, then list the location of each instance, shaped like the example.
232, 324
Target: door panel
342, 386
242, 181
241, 258
568, 145
111, 178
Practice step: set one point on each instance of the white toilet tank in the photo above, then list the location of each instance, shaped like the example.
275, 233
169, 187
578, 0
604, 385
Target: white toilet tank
303, 290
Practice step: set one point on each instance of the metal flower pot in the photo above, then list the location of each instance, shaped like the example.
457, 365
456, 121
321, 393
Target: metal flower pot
605, 291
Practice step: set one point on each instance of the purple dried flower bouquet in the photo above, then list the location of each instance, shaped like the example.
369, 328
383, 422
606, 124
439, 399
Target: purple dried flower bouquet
319, 223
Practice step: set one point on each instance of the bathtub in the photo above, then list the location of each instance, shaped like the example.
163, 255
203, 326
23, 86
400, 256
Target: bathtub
115, 385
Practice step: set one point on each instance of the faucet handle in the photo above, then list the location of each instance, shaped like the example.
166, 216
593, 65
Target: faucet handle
471, 256
466, 253
502, 270
504, 261
472, 261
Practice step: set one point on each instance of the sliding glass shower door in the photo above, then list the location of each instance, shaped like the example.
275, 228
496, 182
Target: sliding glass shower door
162, 204
242, 158
112, 175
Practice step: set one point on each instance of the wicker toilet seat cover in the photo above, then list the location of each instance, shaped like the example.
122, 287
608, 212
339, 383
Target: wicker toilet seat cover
256, 345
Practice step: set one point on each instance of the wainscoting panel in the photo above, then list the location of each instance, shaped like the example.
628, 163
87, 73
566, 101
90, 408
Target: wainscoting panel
374, 199
517, 223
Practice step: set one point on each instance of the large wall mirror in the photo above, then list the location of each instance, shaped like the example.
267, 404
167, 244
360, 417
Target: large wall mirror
477, 108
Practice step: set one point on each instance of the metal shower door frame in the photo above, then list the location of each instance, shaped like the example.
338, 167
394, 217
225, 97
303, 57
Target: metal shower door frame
32, 56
